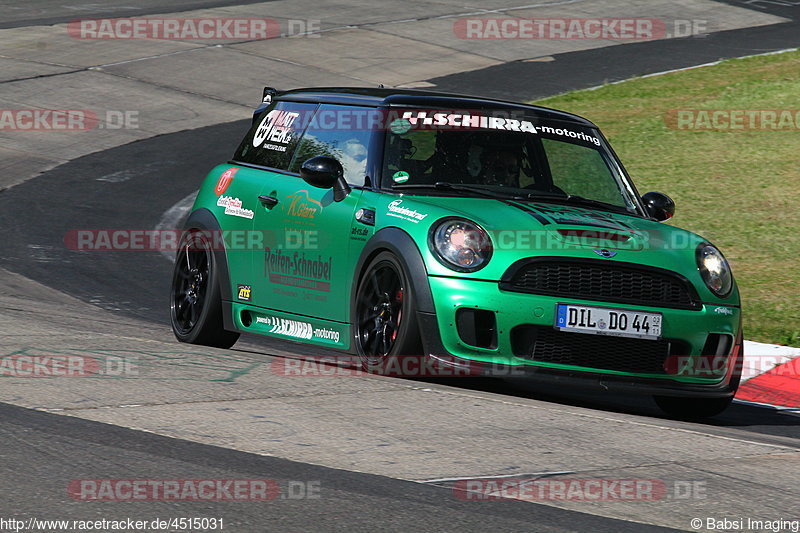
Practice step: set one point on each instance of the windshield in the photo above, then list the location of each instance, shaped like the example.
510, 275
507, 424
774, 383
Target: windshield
531, 159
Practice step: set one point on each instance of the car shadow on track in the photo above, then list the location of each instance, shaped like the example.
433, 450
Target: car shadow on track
738, 415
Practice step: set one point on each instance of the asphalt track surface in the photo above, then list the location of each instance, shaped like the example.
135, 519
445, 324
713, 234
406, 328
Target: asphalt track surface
131, 187
589, 68
44, 12
150, 176
352, 502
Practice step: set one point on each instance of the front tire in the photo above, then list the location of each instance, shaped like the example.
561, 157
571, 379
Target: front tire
386, 323
196, 302
692, 408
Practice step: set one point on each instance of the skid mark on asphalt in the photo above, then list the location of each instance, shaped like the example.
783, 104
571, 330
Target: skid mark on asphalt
125, 174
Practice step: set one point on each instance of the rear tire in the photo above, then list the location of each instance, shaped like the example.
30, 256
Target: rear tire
196, 302
692, 408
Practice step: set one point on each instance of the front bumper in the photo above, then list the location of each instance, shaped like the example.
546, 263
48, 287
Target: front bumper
689, 329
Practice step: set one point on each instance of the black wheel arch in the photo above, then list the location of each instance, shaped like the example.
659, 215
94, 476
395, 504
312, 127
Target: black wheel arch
204, 220
402, 245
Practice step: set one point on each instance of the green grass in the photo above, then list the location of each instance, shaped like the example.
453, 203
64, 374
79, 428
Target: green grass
739, 189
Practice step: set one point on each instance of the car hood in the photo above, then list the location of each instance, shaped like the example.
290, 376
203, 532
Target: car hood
538, 229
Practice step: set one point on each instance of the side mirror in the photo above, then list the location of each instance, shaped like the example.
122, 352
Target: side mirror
660, 206
325, 173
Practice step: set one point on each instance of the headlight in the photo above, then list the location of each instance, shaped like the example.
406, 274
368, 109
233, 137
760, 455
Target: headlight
460, 245
714, 269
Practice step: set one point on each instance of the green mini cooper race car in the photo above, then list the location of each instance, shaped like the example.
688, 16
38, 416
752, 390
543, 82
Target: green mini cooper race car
472, 233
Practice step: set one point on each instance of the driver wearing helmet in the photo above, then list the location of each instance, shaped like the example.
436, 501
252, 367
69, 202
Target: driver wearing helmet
501, 166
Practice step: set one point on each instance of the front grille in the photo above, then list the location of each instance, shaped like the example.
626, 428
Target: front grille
588, 279
544, 344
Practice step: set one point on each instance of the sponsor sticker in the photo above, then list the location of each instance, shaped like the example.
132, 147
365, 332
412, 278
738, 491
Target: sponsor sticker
225, 180
245, 292
445, 120
301, 207
285, 326
298, 269
297, 329
233, 207
466, 120
399, 126
396, 209
400, 176
275, 131
359, 233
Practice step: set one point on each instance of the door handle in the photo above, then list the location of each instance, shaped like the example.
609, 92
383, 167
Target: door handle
268, 201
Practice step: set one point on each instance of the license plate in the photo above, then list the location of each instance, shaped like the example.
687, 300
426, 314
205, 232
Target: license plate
608, 321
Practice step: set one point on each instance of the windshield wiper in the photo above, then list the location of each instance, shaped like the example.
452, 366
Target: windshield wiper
445, 185
541, 196
578, 200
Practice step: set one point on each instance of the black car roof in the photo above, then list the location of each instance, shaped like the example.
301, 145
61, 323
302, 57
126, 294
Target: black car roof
375, 97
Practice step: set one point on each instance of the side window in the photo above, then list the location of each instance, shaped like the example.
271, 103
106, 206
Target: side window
272, 140
410, 153
341, 132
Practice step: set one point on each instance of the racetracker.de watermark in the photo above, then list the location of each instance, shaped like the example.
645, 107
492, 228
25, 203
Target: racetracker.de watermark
197, 490
715, 366
582, 29
578, 490
38, 366
169, 240
191, 29
67, 120
733, 119
401, 366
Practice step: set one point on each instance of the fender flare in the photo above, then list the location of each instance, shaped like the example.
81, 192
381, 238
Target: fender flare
405, 249
402, 245
204, 220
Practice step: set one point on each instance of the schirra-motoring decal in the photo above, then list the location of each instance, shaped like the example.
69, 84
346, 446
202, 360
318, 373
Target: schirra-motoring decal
483, 121
397, 209
245, 292
297, 329
275, 131
298, 269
